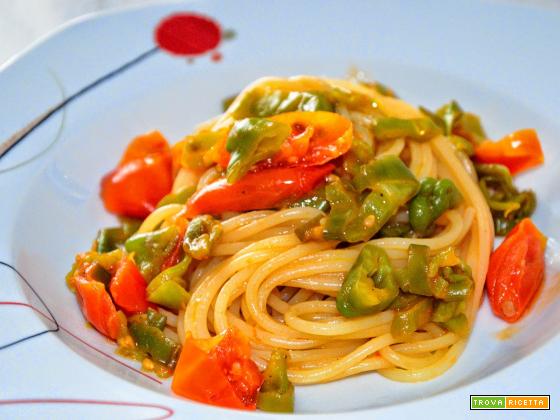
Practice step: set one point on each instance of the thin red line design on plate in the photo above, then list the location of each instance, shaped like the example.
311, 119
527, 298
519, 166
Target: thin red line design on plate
66, 330
188, 34
168, 411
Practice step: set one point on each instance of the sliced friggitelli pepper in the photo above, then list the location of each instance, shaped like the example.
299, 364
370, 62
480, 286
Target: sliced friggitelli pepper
418, 129
151, 249
109, 239
277, 392
154, 342
202, 233
252, 140
459, 324
156, 319
411, 318
168, 287
305, 230
396, 230
433, 199
450, 278
179, 197
198, 146
279, 102
370, 286
444, 311
508, 205
387, 185
85, 265
317, 199
414, 277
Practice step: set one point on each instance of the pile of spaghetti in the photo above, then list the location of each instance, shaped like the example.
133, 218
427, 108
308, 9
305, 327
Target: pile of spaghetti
315, 230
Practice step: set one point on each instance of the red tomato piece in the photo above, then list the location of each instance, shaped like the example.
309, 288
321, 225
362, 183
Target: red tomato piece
257, 190
98, 308
128, 287
516, 271
135, 188
219, 374
519, 151
151, 143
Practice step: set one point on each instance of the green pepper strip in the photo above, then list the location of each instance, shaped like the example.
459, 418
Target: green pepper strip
202, 232
507, 204
410, 319
419, 129
151, 249
252, 140
156, 319
180, 197
154, 342
388, 183
168, 287
265, 104
369, 286
277, 392
433, 199
414, 277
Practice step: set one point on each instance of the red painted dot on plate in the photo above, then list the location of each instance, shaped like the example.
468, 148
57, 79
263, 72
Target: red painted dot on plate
187, 34
216, 56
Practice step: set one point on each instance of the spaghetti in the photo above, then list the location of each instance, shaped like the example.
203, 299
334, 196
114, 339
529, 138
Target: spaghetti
333, 227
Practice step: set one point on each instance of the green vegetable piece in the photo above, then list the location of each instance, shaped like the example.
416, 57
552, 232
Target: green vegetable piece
252, 140
227, 101
277, 392
507, 204
196, 147
387, 185
278, 102
98, 273
109, 239
419, 129
303, 231
154, 342
130, 225
170, 295
202, 232
408, 320
180, 197
414, 277
433, 199
444, 311
396, 230
458, 324
317, 199
403, 301
370, 286
450, 283
171, 274
156, 319
151, 249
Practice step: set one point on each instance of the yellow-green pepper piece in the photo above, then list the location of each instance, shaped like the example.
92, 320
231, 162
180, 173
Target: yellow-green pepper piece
418, 129
370, 286
433, 199
277, 392
414, 277
251, 140
387, 185
202, 232
151, 249
507, 204
180, 197
410, 319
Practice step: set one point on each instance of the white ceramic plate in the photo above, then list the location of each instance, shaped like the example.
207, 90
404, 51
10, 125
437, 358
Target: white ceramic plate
499, 60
